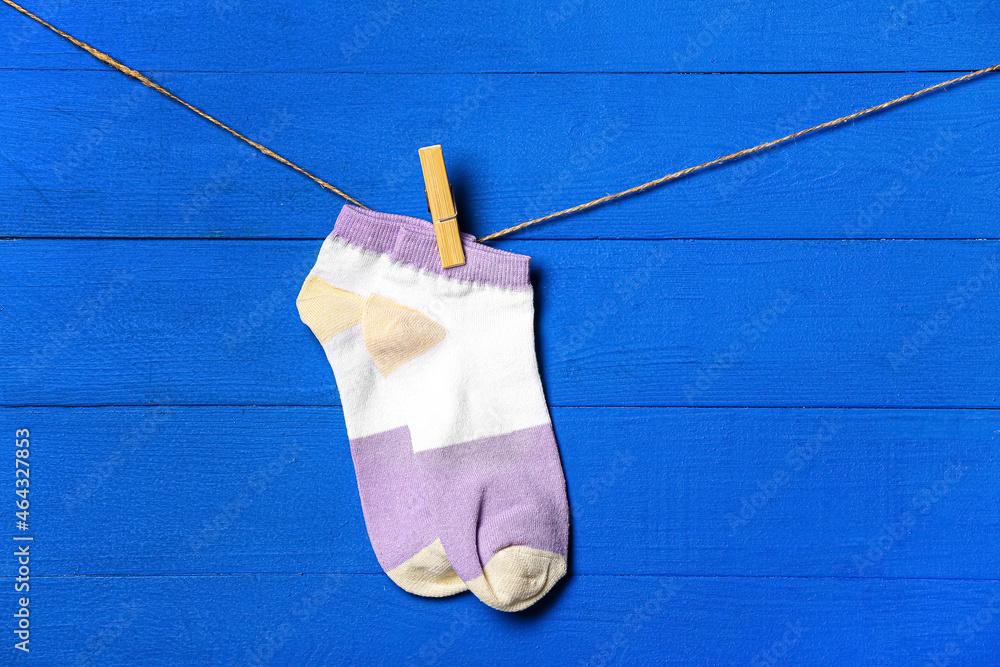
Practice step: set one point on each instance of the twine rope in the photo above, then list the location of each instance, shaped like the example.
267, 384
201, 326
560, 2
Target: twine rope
732, 156
105, 58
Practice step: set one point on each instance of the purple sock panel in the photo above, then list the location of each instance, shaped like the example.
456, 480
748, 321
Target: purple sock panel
397, 514
496, 492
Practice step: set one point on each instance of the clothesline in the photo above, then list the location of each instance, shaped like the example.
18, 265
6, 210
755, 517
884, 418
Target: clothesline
105, 58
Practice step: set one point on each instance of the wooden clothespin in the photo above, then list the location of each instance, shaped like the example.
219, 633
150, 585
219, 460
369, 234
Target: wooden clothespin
441, 204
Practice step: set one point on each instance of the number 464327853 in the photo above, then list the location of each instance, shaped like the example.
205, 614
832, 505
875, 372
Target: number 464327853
22, 472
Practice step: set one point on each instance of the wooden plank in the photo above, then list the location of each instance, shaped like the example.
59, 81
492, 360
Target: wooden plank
227, 529
322, 620
552, 35
692, 323
718, 492
96, 154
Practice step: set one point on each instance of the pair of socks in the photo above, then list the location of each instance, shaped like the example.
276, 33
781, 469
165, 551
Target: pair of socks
458, 470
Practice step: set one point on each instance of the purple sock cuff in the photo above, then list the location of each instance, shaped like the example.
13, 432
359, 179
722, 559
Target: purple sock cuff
411, 241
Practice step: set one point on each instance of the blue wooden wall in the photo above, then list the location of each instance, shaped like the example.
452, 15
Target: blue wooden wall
774, 384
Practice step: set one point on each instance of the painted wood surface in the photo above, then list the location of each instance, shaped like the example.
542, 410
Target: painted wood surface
546, 36
204, 490
773, 384
313, 620
126, 162
620, 323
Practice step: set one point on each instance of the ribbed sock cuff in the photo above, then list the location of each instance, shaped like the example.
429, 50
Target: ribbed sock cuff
411, 241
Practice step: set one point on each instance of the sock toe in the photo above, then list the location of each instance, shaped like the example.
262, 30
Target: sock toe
428, 573
517, 577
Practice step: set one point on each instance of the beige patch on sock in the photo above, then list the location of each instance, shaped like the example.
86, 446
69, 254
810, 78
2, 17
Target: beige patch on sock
326, 309
428, 573
395, 334
517, 577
